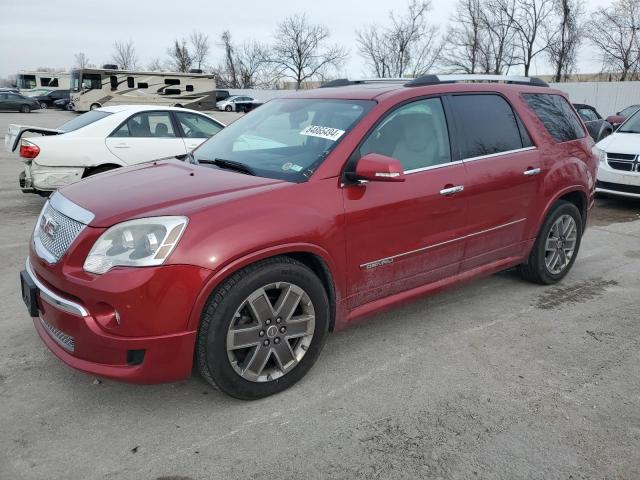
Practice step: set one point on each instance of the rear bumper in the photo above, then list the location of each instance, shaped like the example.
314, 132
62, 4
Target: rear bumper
83, 335
48, 179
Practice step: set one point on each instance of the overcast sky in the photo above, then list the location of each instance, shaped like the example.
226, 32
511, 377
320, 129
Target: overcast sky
47, 33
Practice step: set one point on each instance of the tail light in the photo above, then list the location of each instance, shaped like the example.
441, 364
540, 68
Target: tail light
28, 149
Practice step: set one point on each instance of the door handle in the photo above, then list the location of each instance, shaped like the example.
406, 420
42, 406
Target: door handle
122, 145
531, 172
452, 190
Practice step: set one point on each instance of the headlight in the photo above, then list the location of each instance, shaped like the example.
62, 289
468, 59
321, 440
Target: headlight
600, 154
137, 243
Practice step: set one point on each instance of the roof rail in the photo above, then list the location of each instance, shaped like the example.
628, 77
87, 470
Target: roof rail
343, 82
437, 79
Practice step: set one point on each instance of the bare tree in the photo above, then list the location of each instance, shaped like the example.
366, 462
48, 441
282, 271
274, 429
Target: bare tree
530, 19
498, 42
155, 65
81, 60
124, 55
564, 40
614, 31
243, 66
408, 46
200, 48
179, 56
301, 50
464, 41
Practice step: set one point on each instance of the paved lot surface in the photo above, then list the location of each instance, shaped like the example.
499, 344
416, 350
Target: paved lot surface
497, 379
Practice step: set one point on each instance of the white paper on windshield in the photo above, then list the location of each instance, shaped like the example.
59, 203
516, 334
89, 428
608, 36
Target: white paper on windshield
329, 133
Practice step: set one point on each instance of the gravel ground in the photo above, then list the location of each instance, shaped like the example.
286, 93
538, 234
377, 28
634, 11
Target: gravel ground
498, 379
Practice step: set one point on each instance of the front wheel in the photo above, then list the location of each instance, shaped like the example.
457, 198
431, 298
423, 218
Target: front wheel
43, 106
556, 246
94, 106
25, 108
228, 108
263, 328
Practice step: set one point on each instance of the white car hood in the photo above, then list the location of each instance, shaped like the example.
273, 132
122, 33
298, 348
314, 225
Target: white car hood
621, 143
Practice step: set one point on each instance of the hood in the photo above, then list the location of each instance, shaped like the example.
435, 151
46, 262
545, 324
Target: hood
161, 188
621, 143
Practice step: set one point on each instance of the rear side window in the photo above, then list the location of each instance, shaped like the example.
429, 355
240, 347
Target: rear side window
487, 125
83, 120
557, 116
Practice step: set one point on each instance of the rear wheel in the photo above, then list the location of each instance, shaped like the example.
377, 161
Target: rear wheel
228, 108
94, 106
43, 106
263, 329
25, 108
556, 246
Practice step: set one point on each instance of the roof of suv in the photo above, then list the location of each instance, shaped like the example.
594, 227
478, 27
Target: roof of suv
372, 89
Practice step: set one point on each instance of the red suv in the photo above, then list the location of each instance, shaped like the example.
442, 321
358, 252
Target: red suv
310, 212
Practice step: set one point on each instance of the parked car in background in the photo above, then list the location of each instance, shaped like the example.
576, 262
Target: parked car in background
47, 100
619, 118
15, 102
63, 103
104, 139
9, 90
236, 103
619, 171
598, 127
355, 198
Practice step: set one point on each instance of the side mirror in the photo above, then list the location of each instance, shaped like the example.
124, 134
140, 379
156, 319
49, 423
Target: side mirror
615, 119
374, 167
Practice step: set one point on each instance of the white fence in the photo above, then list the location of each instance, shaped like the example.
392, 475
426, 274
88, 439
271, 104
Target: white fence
607, 97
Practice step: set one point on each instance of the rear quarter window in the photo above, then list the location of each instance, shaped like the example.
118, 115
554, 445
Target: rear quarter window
556, 115
487, 125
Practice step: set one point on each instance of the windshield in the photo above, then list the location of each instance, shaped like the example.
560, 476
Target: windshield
285, 138
632, 125
83, 120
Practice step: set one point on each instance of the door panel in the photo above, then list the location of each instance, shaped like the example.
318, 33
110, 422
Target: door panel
146, 136
501, 205
402, 235
503, 176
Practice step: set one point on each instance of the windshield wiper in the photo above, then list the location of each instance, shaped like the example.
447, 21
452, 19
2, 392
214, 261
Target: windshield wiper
230, 165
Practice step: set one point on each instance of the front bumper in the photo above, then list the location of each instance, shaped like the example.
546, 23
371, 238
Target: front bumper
87, 334
618, 182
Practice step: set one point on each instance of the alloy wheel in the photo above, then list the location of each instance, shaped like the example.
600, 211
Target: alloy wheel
561, 244
270, 332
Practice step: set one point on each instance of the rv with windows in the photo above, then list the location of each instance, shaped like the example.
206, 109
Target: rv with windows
99, 87
37, 83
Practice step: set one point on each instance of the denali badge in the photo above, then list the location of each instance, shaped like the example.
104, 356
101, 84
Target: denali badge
48, 225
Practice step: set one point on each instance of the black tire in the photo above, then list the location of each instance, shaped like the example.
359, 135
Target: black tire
25, 108
43, 106
94, 106
228, 108
535, 269
211, 345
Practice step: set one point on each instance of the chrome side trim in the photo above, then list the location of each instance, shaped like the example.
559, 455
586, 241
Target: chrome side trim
499, 154
432, 167
65, 206
387, 260
53, 298
470, 159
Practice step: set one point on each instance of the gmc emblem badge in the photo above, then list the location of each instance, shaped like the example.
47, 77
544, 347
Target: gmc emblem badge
48, 225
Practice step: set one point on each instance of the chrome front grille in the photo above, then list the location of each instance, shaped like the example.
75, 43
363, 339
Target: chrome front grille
56, 232
65, 341
624, 161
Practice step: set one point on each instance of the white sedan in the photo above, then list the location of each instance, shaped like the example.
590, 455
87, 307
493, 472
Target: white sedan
104, 139
619, 170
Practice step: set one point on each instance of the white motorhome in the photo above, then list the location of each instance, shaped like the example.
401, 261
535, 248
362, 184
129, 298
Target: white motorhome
93, 88
38, 82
